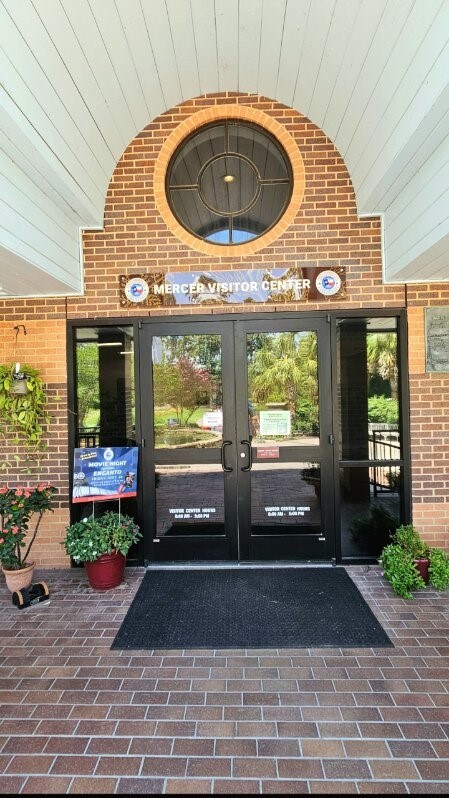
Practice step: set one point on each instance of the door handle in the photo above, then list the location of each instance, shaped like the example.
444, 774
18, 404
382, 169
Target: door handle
250, 456
223, 465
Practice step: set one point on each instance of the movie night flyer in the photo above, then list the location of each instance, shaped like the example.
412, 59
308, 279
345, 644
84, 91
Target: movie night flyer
106, 473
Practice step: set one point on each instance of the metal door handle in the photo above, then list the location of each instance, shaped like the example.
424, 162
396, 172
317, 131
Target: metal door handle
225, 467
250, 456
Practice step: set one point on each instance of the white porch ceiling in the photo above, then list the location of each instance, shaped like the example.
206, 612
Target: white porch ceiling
80, 78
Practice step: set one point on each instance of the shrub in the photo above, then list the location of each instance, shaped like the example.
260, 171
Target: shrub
438, 569
17, 507
87, 540
400, 570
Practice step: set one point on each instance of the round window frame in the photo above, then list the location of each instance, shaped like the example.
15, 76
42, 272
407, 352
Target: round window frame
192, 124
228, 216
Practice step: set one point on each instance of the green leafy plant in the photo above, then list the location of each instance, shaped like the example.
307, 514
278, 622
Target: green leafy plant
25, 414
373, 529
438, 568
88, 539
409, 539
17, 507
400, 570
399, 562
383, 410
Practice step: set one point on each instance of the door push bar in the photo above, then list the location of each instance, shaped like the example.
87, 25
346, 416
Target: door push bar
223, 465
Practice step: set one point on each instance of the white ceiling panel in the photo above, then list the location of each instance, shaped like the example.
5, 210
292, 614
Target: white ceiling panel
227, 28
158, 30
250, 27
318, 24
295, 25
203, 17
271, 27
184, 47
80, 80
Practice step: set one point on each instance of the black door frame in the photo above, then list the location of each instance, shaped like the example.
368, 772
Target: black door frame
144, 547
238, 543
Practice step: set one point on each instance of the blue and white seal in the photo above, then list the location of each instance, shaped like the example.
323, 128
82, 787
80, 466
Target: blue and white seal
328, 283
136, 289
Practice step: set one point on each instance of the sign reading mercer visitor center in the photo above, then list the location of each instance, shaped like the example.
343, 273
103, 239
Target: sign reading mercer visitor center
236, 286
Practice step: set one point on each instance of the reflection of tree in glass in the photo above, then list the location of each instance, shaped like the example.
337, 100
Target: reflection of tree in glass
183, 385
284, 368
382, 358
88, 394
204, 353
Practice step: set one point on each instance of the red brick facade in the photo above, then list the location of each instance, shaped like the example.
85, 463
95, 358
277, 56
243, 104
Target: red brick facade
323, 229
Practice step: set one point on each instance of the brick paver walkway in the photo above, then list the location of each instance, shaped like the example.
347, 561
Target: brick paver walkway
76, 717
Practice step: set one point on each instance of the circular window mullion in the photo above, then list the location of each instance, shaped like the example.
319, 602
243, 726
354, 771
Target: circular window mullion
227, 173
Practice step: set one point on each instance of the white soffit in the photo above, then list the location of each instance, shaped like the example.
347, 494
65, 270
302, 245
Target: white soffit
81, 79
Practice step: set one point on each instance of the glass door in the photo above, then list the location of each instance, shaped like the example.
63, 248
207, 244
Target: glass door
285, 437
187, 369
238, 440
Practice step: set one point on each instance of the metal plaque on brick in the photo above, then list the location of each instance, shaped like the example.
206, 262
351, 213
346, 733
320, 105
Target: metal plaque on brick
437, 339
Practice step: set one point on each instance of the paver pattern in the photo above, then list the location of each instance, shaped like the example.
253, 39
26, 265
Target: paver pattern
76, 717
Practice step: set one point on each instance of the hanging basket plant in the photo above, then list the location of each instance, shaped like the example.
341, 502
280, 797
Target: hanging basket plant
23, 405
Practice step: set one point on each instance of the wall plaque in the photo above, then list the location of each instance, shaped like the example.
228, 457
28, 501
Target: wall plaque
437, 339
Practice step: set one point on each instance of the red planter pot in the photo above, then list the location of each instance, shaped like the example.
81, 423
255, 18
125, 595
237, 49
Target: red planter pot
106, 572
423, 568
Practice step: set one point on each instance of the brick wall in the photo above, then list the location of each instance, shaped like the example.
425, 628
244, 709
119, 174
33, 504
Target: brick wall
140, 236
429, 422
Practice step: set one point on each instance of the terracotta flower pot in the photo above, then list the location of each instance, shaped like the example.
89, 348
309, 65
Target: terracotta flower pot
19, 579
106, 572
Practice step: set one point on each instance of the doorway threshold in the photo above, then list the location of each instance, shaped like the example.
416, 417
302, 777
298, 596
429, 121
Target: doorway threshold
233, 565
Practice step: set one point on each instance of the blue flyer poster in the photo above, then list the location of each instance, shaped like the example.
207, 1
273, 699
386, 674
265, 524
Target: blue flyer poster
105, 473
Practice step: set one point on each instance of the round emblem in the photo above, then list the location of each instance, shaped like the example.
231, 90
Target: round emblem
108, 454
136, 289
328, 283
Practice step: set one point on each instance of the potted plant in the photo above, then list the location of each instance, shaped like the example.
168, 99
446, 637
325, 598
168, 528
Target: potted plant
408, 537
102, 543
23, 403
373, 529
18, 506
409, 563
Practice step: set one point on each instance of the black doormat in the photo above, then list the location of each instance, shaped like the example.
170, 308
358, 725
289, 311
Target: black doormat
249, 608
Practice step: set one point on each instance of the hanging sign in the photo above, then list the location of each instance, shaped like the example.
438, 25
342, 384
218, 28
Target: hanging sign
105, 473
236, 286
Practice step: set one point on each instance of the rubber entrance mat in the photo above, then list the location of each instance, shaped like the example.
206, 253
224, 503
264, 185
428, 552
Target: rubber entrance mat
249, 608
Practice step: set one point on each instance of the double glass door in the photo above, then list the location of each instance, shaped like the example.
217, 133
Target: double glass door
236, 421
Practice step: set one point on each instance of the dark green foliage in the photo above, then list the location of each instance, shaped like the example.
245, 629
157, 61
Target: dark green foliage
438, 569
373, 529
305, 420
382, 410
88, 539
408, 538
398, 561
400, 570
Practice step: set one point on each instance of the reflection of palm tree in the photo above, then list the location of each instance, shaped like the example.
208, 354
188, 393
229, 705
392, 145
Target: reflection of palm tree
382, 358
285, 368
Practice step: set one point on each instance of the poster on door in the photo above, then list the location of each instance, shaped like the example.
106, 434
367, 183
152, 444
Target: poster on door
275, 422
100, 474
